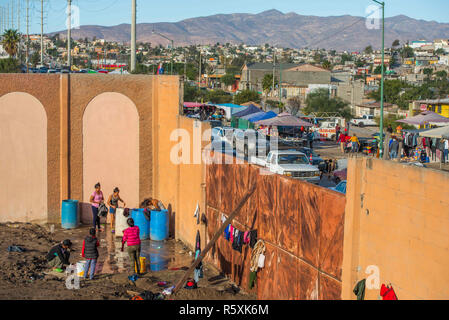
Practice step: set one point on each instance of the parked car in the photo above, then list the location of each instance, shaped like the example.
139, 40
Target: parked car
250, 142
341, 187
317, 161
366, 120
222, 139
293, 164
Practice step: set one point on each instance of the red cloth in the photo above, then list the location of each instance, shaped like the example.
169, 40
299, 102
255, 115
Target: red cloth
342, 138
387, 293
132, 236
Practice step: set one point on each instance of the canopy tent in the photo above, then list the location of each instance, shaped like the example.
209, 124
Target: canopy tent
230, 109
264, 116
251, 109
442, 132
285, 120
249, 116
193, 104
425, 118
119, 71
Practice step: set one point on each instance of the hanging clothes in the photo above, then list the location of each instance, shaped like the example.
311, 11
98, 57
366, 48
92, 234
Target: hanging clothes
359, 289
237, 244
387, 293
198, 241
252, 238
197, 213
227, 233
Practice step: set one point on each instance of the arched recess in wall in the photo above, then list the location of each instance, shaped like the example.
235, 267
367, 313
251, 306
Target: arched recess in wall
111, 147
23, 159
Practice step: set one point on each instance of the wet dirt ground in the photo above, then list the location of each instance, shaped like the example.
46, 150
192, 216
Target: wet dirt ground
26, 275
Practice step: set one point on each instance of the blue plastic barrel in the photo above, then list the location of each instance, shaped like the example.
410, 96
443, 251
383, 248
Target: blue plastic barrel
69, 214
142, 222
159, 257
159, 225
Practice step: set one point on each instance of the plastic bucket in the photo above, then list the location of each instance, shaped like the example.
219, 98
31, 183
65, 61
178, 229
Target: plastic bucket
120, 222
159, 225
143, 265
80, 268
142, 222
69, 214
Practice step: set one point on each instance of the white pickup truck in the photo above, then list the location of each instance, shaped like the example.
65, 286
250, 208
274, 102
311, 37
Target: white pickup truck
293, 164
366, 120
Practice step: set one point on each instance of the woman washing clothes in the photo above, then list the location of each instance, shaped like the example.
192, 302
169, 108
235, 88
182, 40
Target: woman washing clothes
96, 199
113, 205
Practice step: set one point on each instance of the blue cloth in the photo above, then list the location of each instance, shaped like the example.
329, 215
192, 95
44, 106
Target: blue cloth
227, 234
92, 263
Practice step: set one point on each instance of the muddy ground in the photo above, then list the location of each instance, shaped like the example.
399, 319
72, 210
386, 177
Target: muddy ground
26, 275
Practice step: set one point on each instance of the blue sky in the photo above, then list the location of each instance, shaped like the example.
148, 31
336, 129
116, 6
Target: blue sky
112, 12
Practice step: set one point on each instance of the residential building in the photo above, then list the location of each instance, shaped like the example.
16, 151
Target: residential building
440, 106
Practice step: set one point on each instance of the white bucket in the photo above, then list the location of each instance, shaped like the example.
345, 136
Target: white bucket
80, 268
120, 222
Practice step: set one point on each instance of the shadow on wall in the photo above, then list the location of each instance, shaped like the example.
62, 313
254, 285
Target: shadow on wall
171, 221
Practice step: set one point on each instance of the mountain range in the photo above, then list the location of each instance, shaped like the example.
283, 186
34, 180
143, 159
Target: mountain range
288, 30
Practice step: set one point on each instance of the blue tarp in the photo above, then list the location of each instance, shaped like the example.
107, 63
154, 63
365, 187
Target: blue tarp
249, 110
265, 116
258, 114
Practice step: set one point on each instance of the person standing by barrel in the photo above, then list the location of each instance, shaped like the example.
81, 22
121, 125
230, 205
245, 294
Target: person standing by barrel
96, 199
113, 205
131, 236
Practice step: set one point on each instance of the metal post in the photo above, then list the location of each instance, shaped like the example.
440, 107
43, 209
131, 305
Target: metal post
42, 32
69, 34
185, 65
28, 36
381, 136
133, 36
199, 73
18, 15
171, 72
274, 73
280, 83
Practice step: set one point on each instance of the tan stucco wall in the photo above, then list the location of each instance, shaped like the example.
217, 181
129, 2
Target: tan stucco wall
111, 148
23, 158
397, 218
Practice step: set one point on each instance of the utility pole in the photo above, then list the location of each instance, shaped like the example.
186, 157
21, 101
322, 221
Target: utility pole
42, 32
280, 83
381, 133
9, 17
12, 14
69, 34
274, 73
28, 35
133, 36
185, 65
199, 73
18, 15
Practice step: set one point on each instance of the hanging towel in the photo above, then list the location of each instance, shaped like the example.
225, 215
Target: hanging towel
387, 293
359, 289
261, 262
223, 218
246, 237
231, 230
197, 213
198, 241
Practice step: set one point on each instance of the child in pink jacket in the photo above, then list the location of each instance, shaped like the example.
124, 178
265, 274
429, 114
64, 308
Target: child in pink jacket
131, 235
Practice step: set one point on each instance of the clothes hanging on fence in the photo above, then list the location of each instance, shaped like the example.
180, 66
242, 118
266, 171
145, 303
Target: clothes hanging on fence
238, 241
387, 293
252, 238
359, 289
227, 232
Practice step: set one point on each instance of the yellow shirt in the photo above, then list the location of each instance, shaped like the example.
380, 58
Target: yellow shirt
354, 139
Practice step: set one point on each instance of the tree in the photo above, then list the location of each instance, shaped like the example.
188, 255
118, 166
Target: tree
218, 96
378, 70
35, 58
267, 82
9, 65
246, 96
395, 43
428, 72
320, 102
228, 79
192, 94
407, 52
369, 49
293, 105
326, 65
441, 74
440, 51
10, 42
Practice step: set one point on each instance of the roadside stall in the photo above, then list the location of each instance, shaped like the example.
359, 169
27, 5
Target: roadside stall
236, 122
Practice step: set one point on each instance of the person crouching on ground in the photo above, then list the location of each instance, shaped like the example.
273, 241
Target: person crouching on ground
90, 252
113, 205
131, 235
58, 257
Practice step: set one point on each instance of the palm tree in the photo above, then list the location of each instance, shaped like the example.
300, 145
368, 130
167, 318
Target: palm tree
10, 42
326, 65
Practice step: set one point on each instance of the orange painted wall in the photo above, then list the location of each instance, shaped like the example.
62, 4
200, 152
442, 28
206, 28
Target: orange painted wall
397, 218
